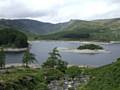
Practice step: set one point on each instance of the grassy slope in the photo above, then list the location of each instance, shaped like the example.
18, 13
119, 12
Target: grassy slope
23, 79
105, 78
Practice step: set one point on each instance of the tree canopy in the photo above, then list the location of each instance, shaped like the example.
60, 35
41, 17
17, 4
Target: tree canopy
55, 61
10, 37
90, 46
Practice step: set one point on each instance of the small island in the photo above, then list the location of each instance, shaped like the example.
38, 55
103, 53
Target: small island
86, 49
90, 47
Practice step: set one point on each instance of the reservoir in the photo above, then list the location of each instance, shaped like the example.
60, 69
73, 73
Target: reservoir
42, 48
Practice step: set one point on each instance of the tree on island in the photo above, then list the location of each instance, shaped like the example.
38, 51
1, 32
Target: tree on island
28, 58
2, 58
55, 61
90, 46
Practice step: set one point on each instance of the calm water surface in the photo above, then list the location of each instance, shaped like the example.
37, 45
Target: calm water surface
42, 48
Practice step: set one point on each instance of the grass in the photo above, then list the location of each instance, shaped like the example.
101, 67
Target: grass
16, 73
105, 78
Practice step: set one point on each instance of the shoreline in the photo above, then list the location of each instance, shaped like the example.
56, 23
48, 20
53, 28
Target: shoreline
20, 65
39, 66
82, 42
15, 49
85, 51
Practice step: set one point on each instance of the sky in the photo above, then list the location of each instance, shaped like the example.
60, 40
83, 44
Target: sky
57, 11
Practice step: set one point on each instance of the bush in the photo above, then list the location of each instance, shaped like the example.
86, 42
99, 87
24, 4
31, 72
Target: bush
73, 71
52, 74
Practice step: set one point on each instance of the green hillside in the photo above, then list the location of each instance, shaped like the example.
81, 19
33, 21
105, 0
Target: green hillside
103, 30
31, 26
105, 78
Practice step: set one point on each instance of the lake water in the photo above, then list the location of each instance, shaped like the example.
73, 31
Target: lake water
42, 48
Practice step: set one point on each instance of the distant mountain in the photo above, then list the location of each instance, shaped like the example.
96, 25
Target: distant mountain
105, 29
32, 26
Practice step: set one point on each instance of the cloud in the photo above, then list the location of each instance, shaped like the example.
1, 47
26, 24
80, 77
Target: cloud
27, 8
113, 9
59, 10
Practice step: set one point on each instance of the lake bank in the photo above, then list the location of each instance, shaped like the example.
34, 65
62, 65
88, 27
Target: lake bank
15, 49
85, 51
20, 65
39, 66
78, 41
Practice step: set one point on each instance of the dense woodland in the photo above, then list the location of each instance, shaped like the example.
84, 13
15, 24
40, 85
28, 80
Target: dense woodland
10, 37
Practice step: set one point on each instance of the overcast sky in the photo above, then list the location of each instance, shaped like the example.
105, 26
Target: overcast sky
56, 11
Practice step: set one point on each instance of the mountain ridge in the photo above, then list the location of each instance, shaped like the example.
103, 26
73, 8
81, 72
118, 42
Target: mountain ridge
104, 29
32, 26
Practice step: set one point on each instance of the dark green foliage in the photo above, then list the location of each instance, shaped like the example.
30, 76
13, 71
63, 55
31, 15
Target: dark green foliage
28, 58
12, 38
75, 36
55, 61
73, 71
105, 78
90, 46
23, 79
2, 58
52, 74
41, 86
